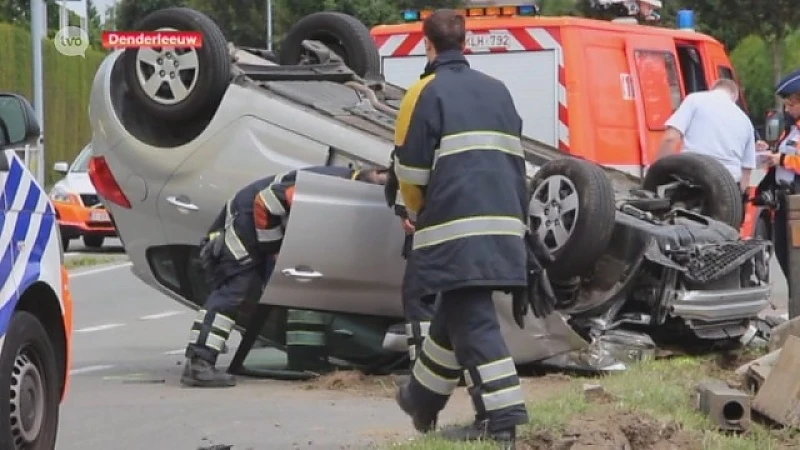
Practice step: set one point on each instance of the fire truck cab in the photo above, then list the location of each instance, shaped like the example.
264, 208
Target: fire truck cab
598, 89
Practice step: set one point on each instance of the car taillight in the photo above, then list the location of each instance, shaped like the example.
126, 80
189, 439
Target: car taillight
104, 182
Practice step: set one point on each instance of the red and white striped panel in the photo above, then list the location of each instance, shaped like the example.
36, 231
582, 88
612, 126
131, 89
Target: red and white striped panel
519, 39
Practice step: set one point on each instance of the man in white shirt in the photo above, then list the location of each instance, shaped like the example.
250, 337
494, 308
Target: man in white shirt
711, 123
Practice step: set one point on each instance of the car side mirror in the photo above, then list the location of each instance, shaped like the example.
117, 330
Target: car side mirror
773, 128
61, 167
18, 123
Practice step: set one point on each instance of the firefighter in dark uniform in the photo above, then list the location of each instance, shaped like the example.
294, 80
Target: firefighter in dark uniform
417, 312
239, 255
461, 170
782, 179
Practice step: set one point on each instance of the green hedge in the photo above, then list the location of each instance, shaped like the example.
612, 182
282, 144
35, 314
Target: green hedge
67, 83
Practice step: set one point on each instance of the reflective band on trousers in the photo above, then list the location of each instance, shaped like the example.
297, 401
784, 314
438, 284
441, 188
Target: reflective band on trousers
412, 352
232, 241
310, 338
440, 355
496, 370
269, 235
466, 227
213, 341
295, 316
433, 382
220, 322
424, 327
492, 401
478, 140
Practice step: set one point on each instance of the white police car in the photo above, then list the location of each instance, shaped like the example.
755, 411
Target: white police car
35, 302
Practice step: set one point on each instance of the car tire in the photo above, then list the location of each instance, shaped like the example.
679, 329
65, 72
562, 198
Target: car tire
93, 242
64, 243
342, 33
579, 236
204, 85
723, 200
28, 363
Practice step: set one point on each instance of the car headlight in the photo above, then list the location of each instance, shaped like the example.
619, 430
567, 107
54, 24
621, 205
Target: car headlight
60, 195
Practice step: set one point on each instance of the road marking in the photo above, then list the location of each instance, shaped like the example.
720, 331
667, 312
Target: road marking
89, 369
103, 327
161, 315
179, 351
100, 270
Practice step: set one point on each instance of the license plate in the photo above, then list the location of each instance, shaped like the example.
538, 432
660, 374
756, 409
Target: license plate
100, 216
491, 40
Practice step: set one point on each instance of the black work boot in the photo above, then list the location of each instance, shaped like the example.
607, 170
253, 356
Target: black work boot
423, 422
198, 372
479, 431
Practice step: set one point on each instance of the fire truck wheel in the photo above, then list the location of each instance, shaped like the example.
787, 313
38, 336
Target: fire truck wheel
179, 83
705, 185
29, 400
572, 210
343, 34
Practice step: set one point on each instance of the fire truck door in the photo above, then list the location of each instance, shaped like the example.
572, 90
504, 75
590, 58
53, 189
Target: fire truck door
652, 61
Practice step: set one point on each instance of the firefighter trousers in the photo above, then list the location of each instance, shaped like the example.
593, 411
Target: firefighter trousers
465, 337
214, 322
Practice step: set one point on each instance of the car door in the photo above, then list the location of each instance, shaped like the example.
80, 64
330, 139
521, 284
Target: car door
341, 251
196, 192
652, 61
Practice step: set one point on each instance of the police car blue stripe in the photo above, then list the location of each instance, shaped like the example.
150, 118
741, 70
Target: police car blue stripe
12, 182
32, 268
20, 232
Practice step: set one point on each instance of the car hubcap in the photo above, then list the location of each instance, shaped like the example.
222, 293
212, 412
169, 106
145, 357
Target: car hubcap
554, 210
167, 74
27, 398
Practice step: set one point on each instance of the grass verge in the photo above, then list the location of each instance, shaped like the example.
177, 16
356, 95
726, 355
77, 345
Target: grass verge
648, 406
74, 262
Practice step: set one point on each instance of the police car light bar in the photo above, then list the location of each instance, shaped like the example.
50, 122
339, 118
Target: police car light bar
506, 10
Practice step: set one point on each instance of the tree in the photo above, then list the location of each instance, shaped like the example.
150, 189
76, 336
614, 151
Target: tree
94, 23
129, 12
242, 21
772, 21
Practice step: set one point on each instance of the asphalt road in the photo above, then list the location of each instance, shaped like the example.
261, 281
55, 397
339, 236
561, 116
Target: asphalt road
125, 394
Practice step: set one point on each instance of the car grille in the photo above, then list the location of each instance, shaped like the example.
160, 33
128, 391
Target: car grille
717, 260
90, 199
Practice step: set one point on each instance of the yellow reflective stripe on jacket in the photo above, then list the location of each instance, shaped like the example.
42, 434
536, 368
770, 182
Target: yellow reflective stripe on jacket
232, 241
274, 205
411, 175
479, 140
468, 226
413, 197
269, 235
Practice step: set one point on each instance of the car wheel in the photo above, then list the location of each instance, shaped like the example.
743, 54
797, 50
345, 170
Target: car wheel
342, 33
29, 381
707, 187
179, 83
572, 210
93, 242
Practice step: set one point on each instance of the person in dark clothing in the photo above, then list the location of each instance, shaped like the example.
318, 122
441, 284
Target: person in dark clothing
783, 177
239, 254
460, 167
417, 311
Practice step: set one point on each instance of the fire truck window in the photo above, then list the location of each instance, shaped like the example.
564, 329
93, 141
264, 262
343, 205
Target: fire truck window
694, 77
660, 86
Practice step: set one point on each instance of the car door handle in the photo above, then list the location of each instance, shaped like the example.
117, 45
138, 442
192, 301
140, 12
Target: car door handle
183, 205
301, 275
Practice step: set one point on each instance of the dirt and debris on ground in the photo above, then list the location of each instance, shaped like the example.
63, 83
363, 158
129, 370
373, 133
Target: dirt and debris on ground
355, 381
613, 430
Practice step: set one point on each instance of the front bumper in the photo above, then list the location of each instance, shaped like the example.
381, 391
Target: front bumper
721, 305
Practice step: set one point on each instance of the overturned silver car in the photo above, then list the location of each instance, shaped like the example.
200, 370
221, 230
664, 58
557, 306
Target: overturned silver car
177, 131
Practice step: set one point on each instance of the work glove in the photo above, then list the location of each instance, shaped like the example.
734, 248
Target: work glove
210, 251
538, 295
392, 185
